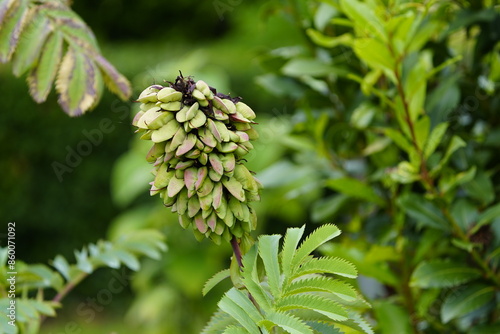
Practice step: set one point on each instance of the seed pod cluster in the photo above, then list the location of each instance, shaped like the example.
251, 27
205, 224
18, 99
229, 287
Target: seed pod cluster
199, 140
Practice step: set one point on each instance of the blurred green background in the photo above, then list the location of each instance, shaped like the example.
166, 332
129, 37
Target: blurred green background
148, 41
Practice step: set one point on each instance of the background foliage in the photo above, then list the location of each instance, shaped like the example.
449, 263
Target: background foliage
377, 115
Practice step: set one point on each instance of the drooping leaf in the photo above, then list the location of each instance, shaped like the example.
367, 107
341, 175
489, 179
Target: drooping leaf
115, 81
41, 77
31, 42
12, 25
442, 274
466, 299
75, 83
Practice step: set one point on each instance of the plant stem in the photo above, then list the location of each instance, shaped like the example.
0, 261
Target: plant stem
236, 250
66, 289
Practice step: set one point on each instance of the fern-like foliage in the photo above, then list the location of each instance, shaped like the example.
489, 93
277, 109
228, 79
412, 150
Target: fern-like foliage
50, 42
33, 282
288, 291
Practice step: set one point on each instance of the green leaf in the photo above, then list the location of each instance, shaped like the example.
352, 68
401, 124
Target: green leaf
44, 308
355, 188
442, 274
465, 213
415, 84
319, 236
242, 300
227, 305
391, 318
318, 304
268, 251
298, 67
115, 81
362, 116
62, 265
422, 127
82, 261
435, 138
455, 144
290, 243
214, 280
128, 259
466, 299
287, 322
326, 208
485, 329
364, 17
399, 140
481, 188
75, 83
486, 217
30, 43
324, 328
235, 330
450, 181
12, 25
375, 54
329, 41
330, 265
423, 211
40, 78
325, 284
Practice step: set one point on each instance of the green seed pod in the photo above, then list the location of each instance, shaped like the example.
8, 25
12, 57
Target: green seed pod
199, 137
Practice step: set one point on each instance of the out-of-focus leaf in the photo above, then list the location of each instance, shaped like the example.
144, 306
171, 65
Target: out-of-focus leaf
362, 116
364, 16
62, 265
298, 67
486, 217
355, 188
415, 85
325, 208
422, 127
455, 143
449, 181
391, 318
423, 211
442, 274
374, 53
481, 188
329, 41
399, 140
466, 299
465, 213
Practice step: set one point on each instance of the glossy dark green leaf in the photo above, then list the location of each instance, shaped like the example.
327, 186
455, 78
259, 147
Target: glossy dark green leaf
486, 217
481, 188
355, 188
423, 211
466, 299
442, 274
391, 318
